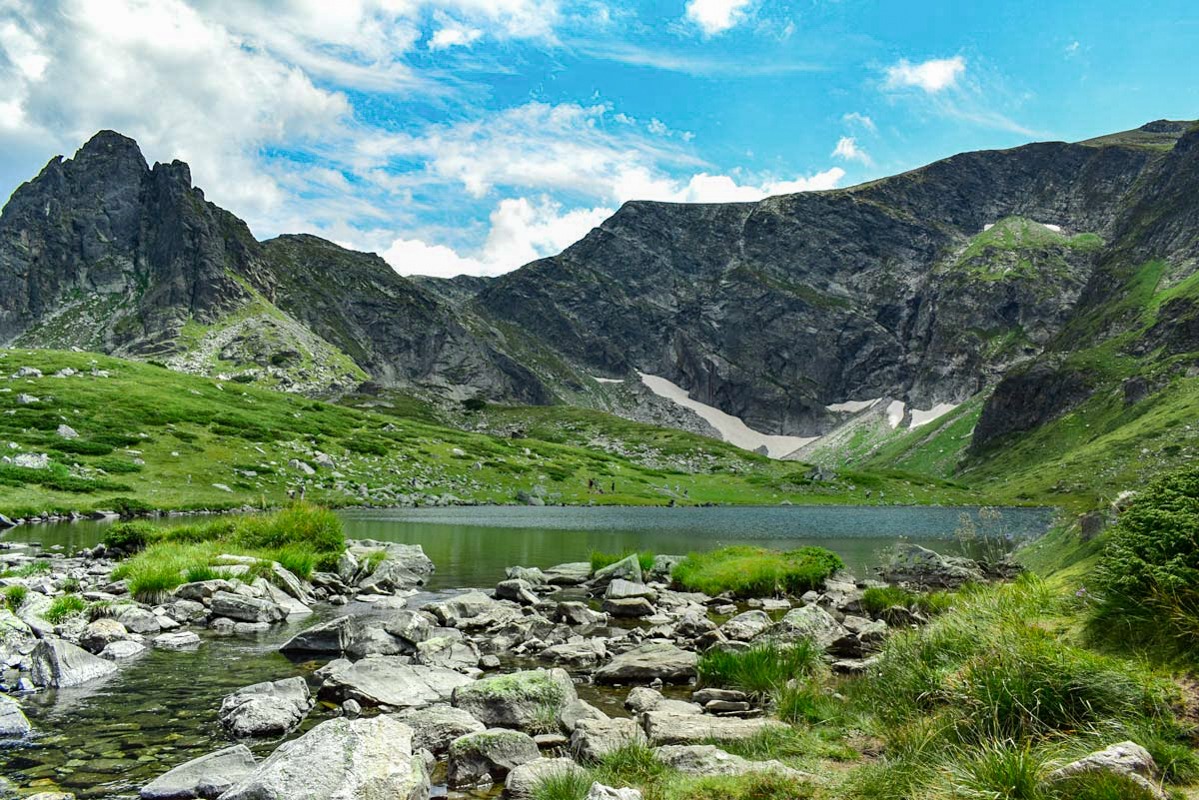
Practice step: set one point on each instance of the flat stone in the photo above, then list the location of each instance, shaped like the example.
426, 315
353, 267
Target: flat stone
389, 681
177, 640
668, 727
648, 662
207, 776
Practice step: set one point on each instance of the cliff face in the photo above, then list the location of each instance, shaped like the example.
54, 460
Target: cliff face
988, 269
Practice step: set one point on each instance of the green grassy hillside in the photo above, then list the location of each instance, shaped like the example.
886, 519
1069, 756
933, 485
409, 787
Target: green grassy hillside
145, 435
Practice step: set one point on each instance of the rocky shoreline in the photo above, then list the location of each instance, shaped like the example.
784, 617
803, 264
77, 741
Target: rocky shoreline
441, 693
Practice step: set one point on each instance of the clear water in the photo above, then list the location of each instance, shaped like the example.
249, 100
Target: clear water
108, 739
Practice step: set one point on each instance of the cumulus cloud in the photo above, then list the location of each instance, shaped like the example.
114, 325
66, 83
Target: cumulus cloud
932, 76
848, 149
716, 16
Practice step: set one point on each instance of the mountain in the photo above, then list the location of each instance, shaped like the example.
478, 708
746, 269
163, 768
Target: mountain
994, 291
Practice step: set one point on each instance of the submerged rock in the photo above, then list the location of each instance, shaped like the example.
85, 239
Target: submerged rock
208, 776
13, 723
266, 709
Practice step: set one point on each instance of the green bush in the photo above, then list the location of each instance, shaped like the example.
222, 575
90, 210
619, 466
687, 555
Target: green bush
762, 670
128, 507
756, 572
318, 529
63, 607
1148, 572
14, 597
600, 560
130, 537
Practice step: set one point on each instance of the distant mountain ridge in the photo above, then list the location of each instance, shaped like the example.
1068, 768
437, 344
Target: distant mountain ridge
976, 276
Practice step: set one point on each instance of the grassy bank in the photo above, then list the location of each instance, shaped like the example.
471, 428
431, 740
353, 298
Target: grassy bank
300, 538
142, 436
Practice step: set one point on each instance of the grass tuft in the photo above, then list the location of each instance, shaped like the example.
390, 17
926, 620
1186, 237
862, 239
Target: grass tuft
756, 572
63, 607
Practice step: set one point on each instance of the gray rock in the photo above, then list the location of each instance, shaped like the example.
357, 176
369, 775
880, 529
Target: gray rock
919, 566
807, 622
669, 727
246, 609
516, 590
1126, 759
643, 698
67, 432
207, 776
266, 709
122, 649
342, 759
574, 612
585, 653
202, 590
472, 610
592, 739
578, 710
629, 607
599, 791
706, 759
649, 662
388, 577
746, 626
529, 701
374, 641
334, 636
58, 664
411, 626
523, 780
480, 759
13, 724
138, 620
628, 568
447, 653
569, 574
101, 632
530, 575
620, 589
177, 640
434, 727
389, 681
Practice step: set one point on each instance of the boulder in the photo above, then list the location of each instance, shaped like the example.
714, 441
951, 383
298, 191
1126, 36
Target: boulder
342, 759
570, 574
529, 701
246, 609
100, 633
919, 566
807, 622
480, 759
374, 641
334, 636
524, 779
643, 698
592, 739
435, 726
16, 637
599, 791
585, 653
58, 664
472, 610
707, 759
516, 590
389, 577
121, 649
578, 710
198, 591
628, 568
573, 612
629, 607
177, 640
388, 681
266, 709
648, 662
136, 619
530, 575
411, 626
671, 727
13, 724
1127, 759
620, 589
207, 776
744, 627
447, 653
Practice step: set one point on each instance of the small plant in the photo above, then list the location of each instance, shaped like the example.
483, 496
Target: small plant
65, 606
373, 559
1000, 770
201, 572
762, 670
71, 585
32, 569
567, 784
14, 597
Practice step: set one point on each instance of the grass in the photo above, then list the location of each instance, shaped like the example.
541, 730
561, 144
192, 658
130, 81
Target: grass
300, 538
876, 600
600, 560
563, 785
28, 570
14, 597
756, 572
64, 606
208, 444
763, 670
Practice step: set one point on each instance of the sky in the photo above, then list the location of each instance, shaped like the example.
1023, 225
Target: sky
474, 136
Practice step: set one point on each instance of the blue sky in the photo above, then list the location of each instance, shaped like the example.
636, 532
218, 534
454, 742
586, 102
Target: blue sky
474, 135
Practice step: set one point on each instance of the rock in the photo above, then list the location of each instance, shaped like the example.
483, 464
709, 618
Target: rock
586, 653
599, 791
334, 636
207, 776
592, 739
434, 727
301, 466
65, 431
389, 577
669, 727
178, 640
570, 574
456, 654
746, 626
472, 610
620, 589
58, 664
630, 607
266, 709
372, 641
643, 698
531, 700
706, 759
919, 566
1126, 759
704, 696
649, 662
807, 622
246, 609
480, 759
578, 710
100, 633
628, 568
32, 460
138, 620
516, 590
389, 681
412, 627
342, 759
524, 779
13, 724
121, 649
574, 612
530, 575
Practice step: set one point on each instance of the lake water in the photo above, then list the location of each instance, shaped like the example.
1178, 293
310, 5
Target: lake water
108, 739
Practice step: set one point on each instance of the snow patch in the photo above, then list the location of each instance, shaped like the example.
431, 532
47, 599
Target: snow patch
895, 413
853, 406
924, 417
598, 379
732, 429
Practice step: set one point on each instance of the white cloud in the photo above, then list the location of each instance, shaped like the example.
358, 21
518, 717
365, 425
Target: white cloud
414, 257
847, 148
454, 35
854, 118
931, 76
1073, 48
716, 16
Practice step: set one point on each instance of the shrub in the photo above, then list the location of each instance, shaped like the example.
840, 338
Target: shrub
130, 537
63, 607
876, 600
756, 572
116, 465
762, 670
14, 597
600, 560
199, 573
128, 507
